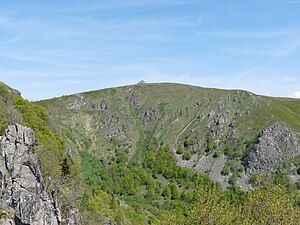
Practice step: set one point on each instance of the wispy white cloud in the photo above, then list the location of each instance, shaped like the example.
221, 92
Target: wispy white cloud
296, 94
254, 34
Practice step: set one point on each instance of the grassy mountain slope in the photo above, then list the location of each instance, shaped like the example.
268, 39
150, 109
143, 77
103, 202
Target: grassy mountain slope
134, 142
198, 121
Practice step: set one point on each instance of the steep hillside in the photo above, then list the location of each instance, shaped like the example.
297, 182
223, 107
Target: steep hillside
159, 154
8, 114
213, 131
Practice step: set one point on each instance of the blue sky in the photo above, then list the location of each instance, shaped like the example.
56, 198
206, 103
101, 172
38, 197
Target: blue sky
51, 48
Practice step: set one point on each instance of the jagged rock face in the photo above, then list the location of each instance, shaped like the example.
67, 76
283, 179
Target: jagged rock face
23, 198
74, 217
275, 145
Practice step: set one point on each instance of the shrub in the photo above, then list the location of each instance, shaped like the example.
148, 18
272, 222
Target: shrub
216, 154
179, 150
225, 171
187, 155
256, 179
233, 179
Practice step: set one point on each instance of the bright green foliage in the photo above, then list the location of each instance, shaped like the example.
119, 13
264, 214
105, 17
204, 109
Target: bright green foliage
179, 150
256, 179
167, 192
270, 205
51, 144
216, 154
233, 179
226, 170
187, 198
98, 207
3, 117
139, 185
4, 100
4, 92
175, 193
187, 142
187, 155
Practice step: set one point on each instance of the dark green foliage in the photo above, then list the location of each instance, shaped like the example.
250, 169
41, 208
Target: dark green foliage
233, 179
179, 150
298, 184
51, 144
281, 179
4, 99
187, 155
175, 193
167, 192
256, 179
3, 123
226, 170
65, 167
233, 153
209, 144
216, 154
4, 92
187, 142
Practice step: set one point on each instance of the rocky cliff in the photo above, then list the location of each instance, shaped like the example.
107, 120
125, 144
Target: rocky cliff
275, 146
23, 197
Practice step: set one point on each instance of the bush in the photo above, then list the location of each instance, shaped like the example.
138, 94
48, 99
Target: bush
226, 170
179, 150
217, 154
187, 142
233, 179
256, 179
187, 155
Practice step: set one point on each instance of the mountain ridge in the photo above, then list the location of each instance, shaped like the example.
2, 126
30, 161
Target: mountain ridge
145, 106
155, 153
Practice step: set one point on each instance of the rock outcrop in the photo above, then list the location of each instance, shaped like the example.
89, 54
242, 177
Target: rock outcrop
74, 217
23, 198
275, 145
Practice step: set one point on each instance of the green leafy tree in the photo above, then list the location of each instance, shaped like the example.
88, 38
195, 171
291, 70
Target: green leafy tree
167, 192
175, 191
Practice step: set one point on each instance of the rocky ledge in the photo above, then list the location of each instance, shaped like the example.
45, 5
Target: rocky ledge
23, 198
